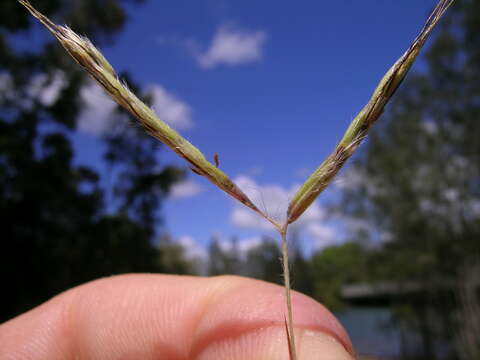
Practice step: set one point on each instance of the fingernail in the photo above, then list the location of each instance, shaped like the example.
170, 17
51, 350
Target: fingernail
271, 344
316, 345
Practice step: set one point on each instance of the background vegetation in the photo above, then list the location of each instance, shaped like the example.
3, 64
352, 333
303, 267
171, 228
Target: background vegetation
57, 231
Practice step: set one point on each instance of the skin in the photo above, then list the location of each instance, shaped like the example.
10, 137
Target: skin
148, 316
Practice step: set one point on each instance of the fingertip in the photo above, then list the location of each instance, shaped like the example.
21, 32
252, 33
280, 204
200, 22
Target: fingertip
251, 306
270, 344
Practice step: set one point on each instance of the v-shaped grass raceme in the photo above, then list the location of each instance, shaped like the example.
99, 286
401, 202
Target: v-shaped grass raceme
90, 58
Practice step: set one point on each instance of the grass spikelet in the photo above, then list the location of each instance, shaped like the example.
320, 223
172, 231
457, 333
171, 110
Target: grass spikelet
361, 124
92, 60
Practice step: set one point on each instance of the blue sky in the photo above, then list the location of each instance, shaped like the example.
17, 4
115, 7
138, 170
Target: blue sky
268, 85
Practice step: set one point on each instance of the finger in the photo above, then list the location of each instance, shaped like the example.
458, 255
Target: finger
173, 318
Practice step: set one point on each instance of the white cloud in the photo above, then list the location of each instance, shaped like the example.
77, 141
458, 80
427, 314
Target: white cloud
350, 178
274, 199
96, 116
98, 107
169, 108
240, 246
192, 250
247, 219
245, 245
322, 234
46, 89
314, 213
184, 189
233, 46
42, 88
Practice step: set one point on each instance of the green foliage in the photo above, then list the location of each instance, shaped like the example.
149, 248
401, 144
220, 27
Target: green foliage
262, 261
334, 267
222, 261
302, 274
171, 258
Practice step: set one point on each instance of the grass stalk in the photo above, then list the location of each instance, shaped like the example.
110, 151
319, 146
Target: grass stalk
92, 61
288, 296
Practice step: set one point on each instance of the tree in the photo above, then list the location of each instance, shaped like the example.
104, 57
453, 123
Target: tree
263, 261
56, 229
223, 260
419, 177
335, 266
172, 259
260, 261
301, 269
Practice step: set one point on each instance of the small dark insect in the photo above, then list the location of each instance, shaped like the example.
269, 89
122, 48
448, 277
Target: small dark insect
216, 159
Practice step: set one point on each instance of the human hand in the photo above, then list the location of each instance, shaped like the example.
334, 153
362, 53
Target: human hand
166, 317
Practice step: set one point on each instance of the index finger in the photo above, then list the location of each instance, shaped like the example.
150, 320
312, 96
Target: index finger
173, 317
